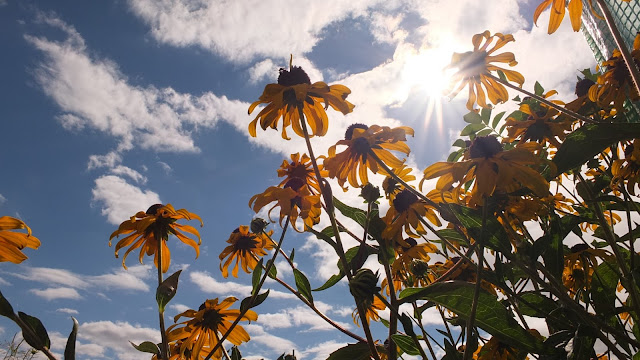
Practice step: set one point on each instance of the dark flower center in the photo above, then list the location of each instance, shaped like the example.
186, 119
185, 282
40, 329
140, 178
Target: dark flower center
628, 150
538, 131
582, 87
349, 133
299, 171
153, 209
389, 185
361, 146
404, 200
419, 269
245, 243
484, 147
579, 248
411, 242
294, 76
473, 63
211, 318
295, 183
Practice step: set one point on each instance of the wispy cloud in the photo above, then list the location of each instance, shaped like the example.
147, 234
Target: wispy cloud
209, 284
68, 311
57, 293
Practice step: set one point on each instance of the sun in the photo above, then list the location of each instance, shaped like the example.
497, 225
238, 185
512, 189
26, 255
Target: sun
425, 71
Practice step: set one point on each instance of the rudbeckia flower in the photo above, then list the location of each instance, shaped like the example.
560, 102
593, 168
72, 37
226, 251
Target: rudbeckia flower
245, 248
616, 85
362, 141
542, 125
295, 200
203, 326
557, 13
492, 168
391, 186
627, 170
294, 92
364, 287
12, 242
302, 168
143, 230
405, 213
474, 68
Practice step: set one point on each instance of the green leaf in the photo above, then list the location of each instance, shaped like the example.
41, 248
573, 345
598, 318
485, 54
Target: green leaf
245, 305
325, 235
603, 288
582, 345
35, 334
472, 117
146, 347
590, 140
334, 279
453, 236
302, 283
358, 351
496, 119
235, 353
405, 343
472, 129
70, 348
355, 214
485, 114
494, 235
273, 271
484, 132
167, 290
538, 89
550, 245
536, 305
491, 315
460, 143
255, 277
5, 308
502, 76
293, 253
407, 325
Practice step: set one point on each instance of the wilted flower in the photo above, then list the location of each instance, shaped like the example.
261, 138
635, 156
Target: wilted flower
12, 242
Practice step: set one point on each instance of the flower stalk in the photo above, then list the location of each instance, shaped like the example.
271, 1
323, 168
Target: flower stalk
164, 349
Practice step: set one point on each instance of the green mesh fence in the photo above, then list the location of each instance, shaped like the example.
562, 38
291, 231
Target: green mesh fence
599, 38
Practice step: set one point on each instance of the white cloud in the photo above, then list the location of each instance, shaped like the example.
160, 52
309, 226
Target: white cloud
116, 336
276, 344
122, 279
52, 276
243, 30
68, 311
321, 351
208, 284
133, 174
120, 199
263, 70
109, 160
2, 199
165, 167
180, 308
57, 293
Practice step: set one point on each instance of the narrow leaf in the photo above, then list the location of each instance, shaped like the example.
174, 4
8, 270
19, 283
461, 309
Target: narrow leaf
235, 353
70, 348
293, 253
245, 305
255, 277
5, 307
406, 343
496, 119
146, 347
36, 334
302, 283
167, 290
538, 89
334, 279
472, 129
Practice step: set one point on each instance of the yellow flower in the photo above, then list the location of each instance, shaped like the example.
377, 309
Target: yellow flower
302, 168
391, 186
405, 213
245, 248
475, 66
362, 141
294, 92
627, 170
494, 349
492, 168
295, 200
12, 242
207, 324
616, 85
371, 310
175, 354
143, 229
557, 13
542, 125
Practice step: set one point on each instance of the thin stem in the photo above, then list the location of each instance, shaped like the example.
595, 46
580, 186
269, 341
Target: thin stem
394, 310
544, 101
468, 351
224, 351
254, 294
626, 55
318, 312
393, 316
424, 333
164, 350
328, 200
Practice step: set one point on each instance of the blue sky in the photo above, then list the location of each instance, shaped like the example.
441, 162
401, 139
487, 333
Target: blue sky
110, 107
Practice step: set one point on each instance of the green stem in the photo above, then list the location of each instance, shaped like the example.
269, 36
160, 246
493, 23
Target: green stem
626, 55
424, 333
468, 351
254, 294
544, 101
328, 200
164, 350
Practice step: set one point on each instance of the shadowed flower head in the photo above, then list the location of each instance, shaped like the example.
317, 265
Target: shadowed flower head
491, 168
364, 287
244, 247
362, 142
293, 94
203, 326
300, 167
475, 67
405, 213
12, 242
143, 229
615, 85
541, 125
